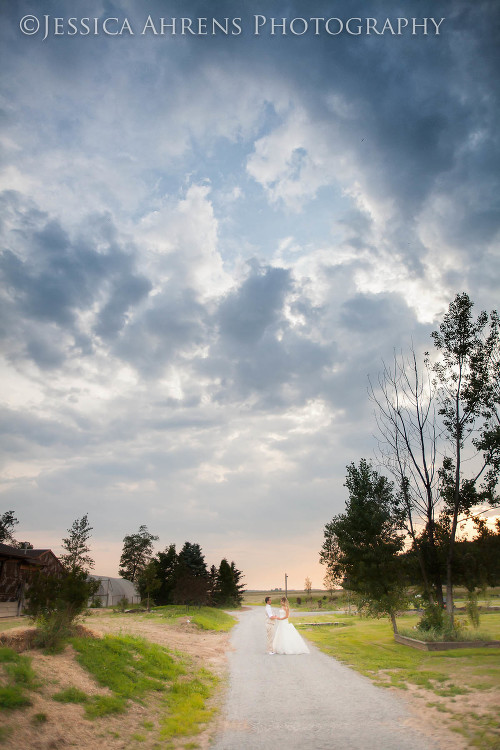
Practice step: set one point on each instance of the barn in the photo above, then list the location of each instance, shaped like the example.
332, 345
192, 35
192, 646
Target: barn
16, 564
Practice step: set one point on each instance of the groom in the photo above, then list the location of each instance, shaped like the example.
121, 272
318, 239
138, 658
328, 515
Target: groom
270, 618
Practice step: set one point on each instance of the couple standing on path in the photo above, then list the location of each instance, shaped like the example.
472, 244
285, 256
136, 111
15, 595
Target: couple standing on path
283, 639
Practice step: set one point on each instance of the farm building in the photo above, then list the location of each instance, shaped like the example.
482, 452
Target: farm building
15, 567
111, 591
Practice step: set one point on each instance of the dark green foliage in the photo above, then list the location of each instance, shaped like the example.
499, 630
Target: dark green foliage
7, 523
166, 569
192, 559
148, 582
191, 589
467, 375
136, 554
432, 619
55, 602
228, 593
362, 545
76, 557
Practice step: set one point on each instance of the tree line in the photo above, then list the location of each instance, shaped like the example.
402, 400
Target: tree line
183, 577
169, 577
439, 441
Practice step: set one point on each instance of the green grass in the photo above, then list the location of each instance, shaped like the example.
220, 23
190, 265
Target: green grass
369, 647
435, 636
103, 705
71, 695
19, 676
207, 618
132, 668
13, 696
187, 705
40, 718
129, 666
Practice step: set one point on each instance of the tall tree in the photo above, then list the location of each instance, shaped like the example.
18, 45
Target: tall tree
229, 588
467, 378
362, 546
7, 523
76, 557
167, 564
148, 582
192, 559
136, 554
406, 417
239, 585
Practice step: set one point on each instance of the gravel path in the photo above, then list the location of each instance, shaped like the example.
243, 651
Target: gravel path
308, 701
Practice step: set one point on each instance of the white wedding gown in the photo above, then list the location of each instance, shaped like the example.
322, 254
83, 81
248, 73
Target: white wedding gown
287, 639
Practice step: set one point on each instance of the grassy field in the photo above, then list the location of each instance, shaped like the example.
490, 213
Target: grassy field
121, 687
463, 685
315, 600
206, 618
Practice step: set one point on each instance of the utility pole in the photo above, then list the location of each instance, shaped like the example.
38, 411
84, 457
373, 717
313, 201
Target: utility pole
286, 586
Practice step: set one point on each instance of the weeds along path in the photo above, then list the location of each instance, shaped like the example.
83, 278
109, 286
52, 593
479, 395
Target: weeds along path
308, 701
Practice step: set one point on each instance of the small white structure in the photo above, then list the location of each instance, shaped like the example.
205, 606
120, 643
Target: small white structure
111, 591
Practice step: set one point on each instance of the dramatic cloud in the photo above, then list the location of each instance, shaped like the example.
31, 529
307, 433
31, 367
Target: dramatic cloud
209, 243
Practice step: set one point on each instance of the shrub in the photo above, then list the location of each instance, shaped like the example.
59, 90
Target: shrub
55, 603
432, 619
299, 601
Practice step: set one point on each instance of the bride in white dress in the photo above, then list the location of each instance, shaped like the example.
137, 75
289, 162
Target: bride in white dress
287, 639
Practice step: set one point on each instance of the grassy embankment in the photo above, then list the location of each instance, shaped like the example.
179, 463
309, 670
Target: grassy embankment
462, 685
130, 670
206, 618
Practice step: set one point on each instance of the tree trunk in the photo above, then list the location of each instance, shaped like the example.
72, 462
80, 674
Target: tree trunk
394, 623
434, 564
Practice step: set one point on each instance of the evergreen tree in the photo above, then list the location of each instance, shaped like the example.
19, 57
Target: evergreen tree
213, 585
76, 557
136, 554
229, 588
240, 587
191, 559
362, 545
167, 565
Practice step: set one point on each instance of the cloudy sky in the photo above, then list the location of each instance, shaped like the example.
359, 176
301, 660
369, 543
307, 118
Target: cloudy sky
210, 241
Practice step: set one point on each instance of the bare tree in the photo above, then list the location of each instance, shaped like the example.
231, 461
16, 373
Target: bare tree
408, 438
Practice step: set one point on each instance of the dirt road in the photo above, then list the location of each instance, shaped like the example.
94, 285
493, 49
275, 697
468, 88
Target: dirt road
308, 701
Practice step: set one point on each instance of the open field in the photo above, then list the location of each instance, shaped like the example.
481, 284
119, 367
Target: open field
143, 681
458, 690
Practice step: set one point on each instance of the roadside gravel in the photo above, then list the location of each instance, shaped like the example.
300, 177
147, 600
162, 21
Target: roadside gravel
308, 701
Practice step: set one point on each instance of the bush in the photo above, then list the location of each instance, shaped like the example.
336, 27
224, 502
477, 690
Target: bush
55, 603
299, 601
432, 619
122, 605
